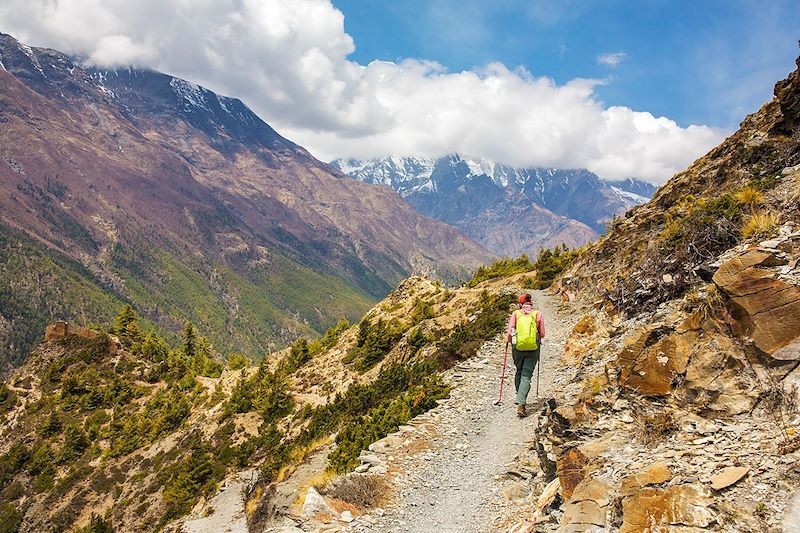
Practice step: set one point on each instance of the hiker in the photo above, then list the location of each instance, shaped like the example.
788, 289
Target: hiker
525, 332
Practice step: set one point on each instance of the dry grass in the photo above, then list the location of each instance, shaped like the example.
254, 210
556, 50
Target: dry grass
751, 197
706, 301
653, 429
364, 491
760, 225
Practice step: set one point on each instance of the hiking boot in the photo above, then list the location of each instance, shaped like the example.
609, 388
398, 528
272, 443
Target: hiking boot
521, 412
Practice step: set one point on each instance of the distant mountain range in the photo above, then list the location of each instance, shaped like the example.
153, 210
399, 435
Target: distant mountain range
132, 186
510, 210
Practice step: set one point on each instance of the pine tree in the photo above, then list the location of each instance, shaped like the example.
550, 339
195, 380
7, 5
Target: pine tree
189, 335
155, 348
125, 317
52, 425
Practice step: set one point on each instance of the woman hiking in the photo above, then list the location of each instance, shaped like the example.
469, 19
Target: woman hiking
525, 332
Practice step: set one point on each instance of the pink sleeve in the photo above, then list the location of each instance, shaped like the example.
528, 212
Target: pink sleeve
540, 324
512, 323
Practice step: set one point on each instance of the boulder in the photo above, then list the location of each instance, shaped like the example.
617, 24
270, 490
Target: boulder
571, 471
728, 476
649, 364
717, 378
764, 308
315, 504
679, 505
658, 473
587, 507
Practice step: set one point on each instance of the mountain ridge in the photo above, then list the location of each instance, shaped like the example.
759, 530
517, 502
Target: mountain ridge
189, 206
512, 210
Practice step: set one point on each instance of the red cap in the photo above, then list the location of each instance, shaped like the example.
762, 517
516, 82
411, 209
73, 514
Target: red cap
524, 298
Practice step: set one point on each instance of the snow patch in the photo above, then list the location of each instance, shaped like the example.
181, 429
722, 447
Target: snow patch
223, 103
630, 196
28, 51
192, 94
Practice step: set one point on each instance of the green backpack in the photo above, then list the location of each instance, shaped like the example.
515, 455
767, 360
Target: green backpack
527, 331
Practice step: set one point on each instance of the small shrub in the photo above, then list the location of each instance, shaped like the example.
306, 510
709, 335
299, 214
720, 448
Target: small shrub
237, 361
332, 334
551, 263
750, 196
363, 491
10, 518
52, 425
374, 342
421, 310
653, 429
97, 524
760, 225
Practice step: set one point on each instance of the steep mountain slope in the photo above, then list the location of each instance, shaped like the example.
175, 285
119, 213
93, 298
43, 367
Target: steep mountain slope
501, 198
185, 203
118, 423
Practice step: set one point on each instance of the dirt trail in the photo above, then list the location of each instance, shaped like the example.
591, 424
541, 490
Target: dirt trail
461, 483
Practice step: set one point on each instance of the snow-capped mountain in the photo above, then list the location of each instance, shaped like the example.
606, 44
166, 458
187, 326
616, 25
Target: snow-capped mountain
483, 197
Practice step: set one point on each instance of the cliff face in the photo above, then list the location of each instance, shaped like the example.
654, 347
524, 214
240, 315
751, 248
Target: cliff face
145, 188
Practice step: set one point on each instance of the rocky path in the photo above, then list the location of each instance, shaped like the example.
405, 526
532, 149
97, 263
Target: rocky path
458, 469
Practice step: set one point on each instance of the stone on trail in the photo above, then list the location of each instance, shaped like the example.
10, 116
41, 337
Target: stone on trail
728, 477
514, 492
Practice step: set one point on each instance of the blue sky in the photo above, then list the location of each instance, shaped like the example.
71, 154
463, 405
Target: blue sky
512, 81
702, 62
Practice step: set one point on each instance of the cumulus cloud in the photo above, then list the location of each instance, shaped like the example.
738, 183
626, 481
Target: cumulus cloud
611, 59
289, 61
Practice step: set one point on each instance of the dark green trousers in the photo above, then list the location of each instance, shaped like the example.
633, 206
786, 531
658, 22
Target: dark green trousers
525, 362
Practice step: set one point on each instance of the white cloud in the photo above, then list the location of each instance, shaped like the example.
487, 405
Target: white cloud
611, 59
288, 60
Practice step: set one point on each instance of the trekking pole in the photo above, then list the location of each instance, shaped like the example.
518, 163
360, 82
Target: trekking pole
538, 369
503, 375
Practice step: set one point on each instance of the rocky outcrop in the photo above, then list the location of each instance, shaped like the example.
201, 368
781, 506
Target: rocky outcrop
763, 307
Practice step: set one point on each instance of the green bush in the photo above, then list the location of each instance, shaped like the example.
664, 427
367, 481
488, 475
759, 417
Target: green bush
421, 310
465, 338
195, 477
359, 432
52, 425
7, 398
12, 462
332, 334
374, 342
500, 268
75, 442
266, 392
10, 518
237, 361
550, 263
97, 524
